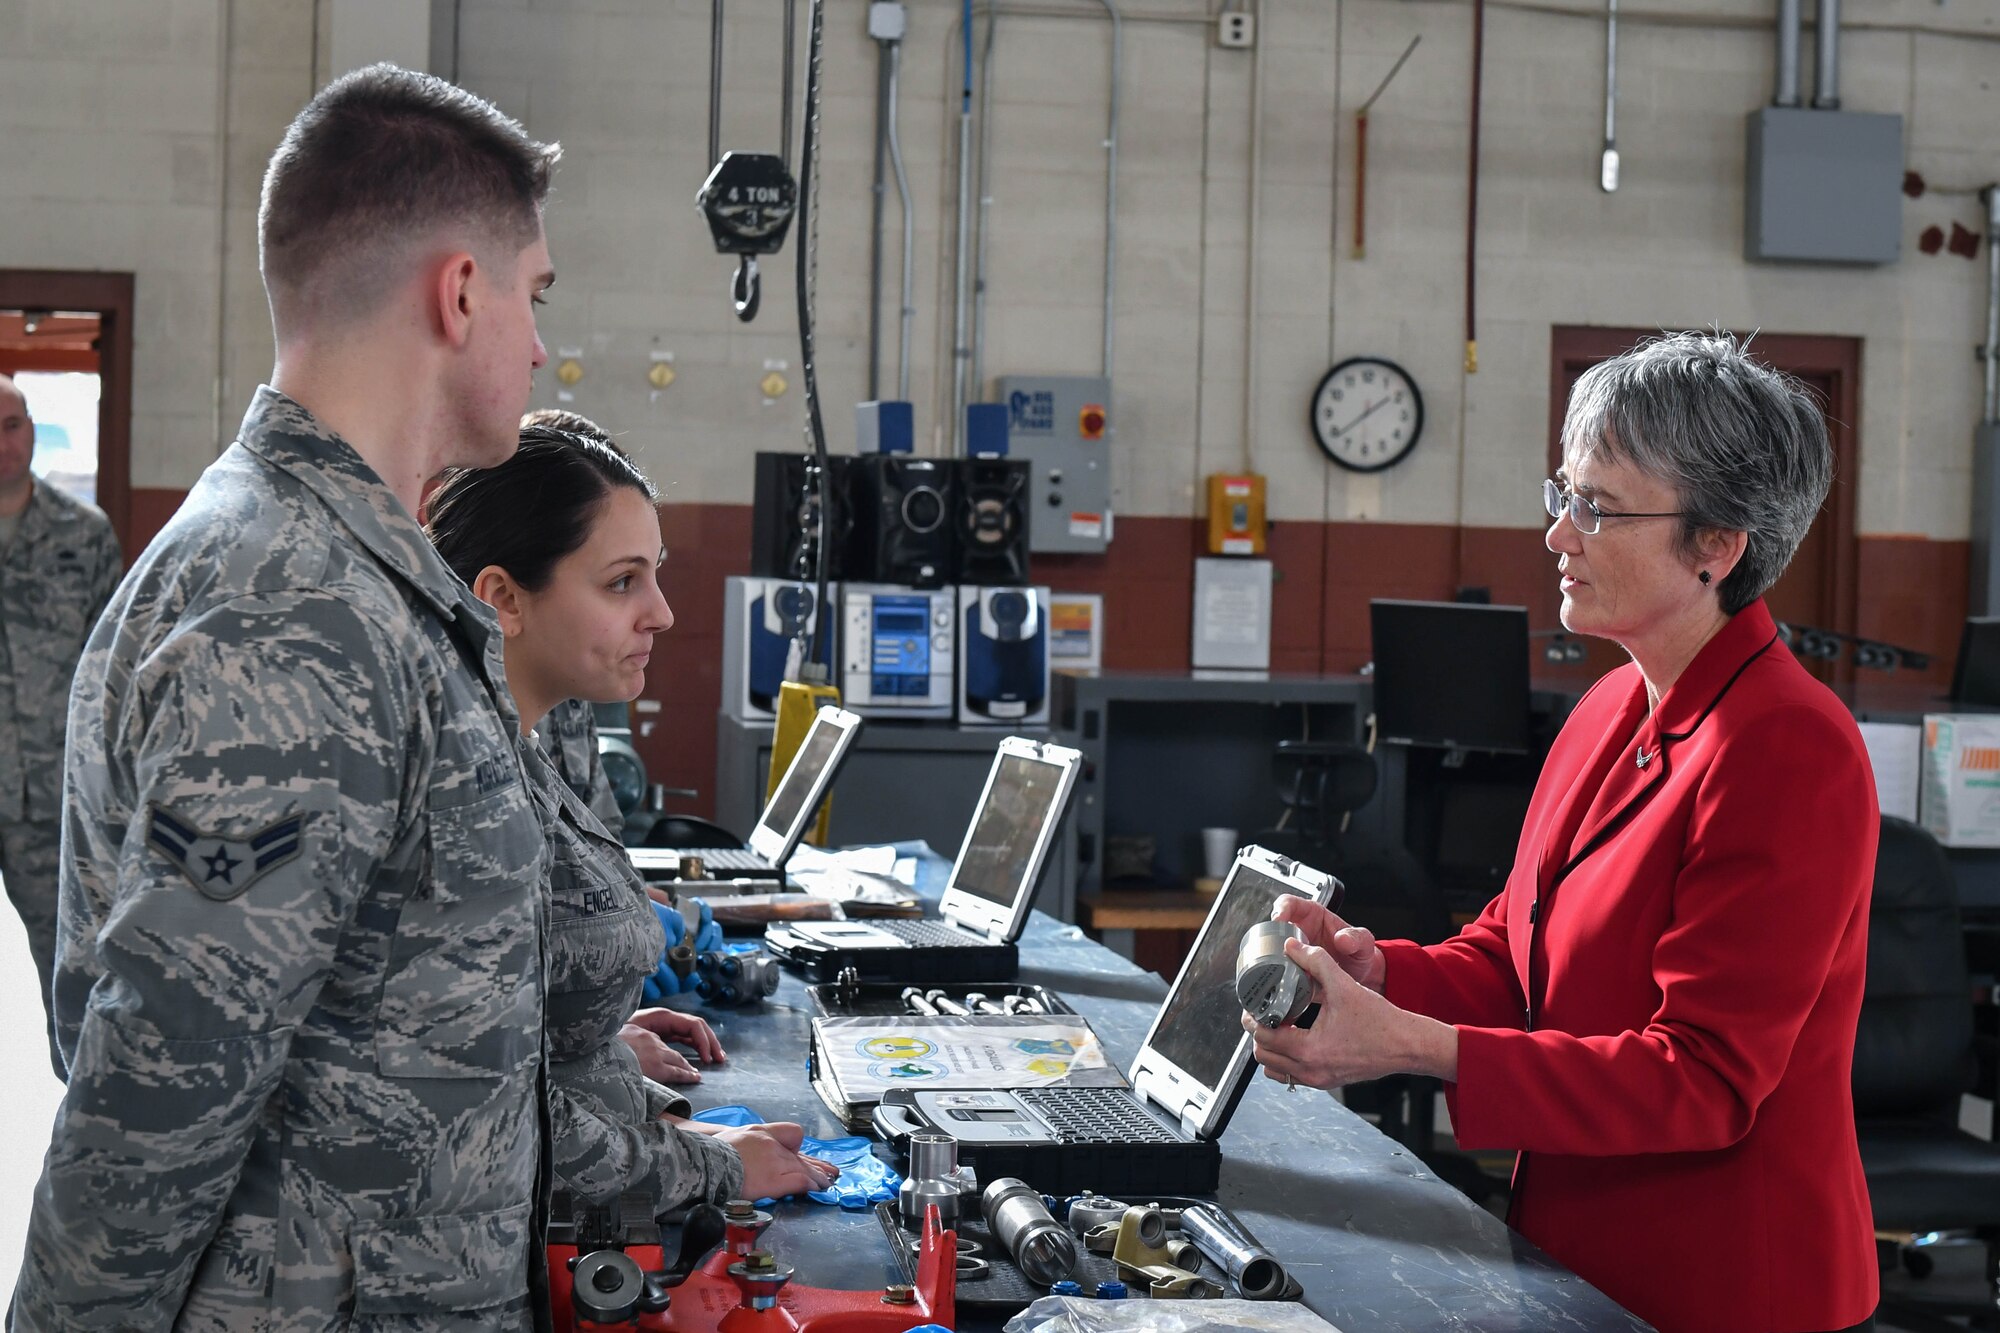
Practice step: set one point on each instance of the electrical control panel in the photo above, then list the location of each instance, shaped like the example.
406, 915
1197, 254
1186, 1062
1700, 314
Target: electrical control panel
1062, 424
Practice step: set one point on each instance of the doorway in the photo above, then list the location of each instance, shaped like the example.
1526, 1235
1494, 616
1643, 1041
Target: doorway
1818, 587
66, 338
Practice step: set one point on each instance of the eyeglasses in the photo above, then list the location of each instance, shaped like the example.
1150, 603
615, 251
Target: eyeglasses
1586, 516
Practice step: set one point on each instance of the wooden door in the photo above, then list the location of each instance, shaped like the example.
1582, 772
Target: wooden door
108, 296
1818, 587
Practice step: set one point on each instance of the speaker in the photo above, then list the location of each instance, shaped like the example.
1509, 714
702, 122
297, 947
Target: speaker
993, 520
761, 621
784, 519
905, 512
1003, 660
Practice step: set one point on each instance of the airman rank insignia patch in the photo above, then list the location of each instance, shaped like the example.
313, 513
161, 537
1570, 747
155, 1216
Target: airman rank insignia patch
223, 868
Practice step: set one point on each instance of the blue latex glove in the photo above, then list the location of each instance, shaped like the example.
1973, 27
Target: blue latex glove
664, 981
865, 1179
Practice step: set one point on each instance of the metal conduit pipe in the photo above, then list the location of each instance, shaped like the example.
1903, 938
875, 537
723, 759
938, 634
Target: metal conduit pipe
1111, 180
979, 284
877, 191
909, 311
1992, 348
1253, 228
985, 203
1787, 93
1826, 74
961, 260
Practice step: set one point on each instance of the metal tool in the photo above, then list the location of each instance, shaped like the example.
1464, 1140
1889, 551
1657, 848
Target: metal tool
946, 1005
1041, 1247
738, 1285
736, 978
1140, 1248
1258, 1276
935, 1179
1272, 988
1093, 1210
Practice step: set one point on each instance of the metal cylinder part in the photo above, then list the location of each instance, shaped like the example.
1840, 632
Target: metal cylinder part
1152, 1227
1272, 988
933, 1179
605, 1288
1258, 1276
1093, 1210
1041, 1247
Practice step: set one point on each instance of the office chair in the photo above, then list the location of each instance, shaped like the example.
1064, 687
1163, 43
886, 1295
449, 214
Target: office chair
689, 831
1914, 1056
1320, 783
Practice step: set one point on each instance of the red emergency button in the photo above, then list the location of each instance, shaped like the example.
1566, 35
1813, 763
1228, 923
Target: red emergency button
1090, 421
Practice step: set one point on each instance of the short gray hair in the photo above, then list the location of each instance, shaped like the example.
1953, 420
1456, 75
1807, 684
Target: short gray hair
1743, 445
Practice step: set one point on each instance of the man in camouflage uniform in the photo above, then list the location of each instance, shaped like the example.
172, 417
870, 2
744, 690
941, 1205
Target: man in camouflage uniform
58, 565
570, 733
300, 977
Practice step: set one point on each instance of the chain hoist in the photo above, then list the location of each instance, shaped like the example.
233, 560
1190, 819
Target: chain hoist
749, 198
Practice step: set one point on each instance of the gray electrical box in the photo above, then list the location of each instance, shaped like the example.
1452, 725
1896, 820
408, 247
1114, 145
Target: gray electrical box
1062, 425
1823, 187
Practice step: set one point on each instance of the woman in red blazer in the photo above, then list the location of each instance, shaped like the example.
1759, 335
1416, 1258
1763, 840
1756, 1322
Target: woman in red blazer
1658, 1011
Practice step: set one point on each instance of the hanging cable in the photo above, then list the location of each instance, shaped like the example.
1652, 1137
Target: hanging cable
808, 253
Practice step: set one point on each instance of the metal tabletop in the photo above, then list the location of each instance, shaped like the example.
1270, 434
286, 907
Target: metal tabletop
1377, 1240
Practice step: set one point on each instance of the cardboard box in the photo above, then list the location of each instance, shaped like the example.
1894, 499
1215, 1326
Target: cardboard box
1961, 778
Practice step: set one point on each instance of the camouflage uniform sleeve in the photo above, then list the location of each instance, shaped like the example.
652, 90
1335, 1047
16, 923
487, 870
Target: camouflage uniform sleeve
598, 794
598, 1155
271, 716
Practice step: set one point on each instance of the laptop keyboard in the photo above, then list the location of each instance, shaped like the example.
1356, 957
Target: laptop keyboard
928, 934
1096, 1115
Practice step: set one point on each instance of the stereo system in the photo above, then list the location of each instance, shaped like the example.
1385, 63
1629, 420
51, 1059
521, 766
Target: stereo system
785, 520
993, 521
896, 519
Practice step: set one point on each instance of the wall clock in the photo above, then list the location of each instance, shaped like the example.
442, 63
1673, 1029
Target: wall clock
1367, 414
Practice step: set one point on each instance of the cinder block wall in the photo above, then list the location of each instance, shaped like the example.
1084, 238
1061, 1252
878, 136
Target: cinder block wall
132, 137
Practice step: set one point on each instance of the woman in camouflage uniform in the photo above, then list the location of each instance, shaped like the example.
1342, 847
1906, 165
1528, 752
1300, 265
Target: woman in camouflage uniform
563, 542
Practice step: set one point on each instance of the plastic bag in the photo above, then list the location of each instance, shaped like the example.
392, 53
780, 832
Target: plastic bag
1075, 1314
865, 1179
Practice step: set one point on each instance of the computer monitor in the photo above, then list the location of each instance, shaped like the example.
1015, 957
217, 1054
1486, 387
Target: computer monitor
1452, 674
1976, 678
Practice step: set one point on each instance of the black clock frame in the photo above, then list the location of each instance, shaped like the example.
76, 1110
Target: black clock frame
1416, 402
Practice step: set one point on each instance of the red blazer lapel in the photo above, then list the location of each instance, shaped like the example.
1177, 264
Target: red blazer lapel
1580, 802
1628, 771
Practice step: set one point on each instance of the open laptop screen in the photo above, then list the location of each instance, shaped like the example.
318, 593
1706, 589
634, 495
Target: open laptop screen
1199, 1026
790, 798
1001, 844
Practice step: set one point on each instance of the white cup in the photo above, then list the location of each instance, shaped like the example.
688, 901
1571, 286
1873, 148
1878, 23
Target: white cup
1218, 850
